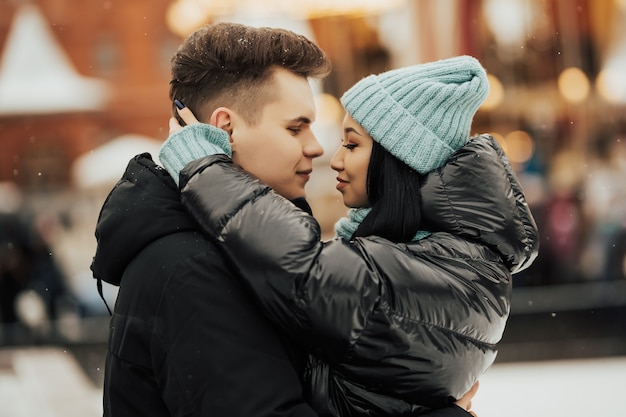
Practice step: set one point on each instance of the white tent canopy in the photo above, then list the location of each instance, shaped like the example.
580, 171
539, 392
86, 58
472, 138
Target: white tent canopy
37, 77
103, 166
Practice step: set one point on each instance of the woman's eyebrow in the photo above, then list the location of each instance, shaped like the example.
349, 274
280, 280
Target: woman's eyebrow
351, 129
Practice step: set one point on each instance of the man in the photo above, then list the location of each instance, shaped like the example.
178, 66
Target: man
186, 337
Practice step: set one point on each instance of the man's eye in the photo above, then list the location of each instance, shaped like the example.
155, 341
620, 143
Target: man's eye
294, 130
349, 146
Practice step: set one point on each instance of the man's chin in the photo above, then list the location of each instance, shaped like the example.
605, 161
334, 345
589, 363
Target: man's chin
293, 193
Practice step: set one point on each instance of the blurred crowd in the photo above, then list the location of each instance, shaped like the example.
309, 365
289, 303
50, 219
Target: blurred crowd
580, 207
32, 285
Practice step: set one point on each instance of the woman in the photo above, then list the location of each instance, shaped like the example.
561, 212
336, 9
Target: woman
401, 313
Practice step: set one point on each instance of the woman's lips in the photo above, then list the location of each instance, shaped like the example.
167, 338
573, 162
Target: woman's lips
341, 184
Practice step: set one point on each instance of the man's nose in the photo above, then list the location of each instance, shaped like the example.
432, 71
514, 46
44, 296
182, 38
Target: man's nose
312, 148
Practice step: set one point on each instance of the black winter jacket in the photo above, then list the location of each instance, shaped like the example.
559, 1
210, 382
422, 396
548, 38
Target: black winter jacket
186, 338
392, 328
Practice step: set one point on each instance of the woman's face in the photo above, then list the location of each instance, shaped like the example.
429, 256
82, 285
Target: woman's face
351, 162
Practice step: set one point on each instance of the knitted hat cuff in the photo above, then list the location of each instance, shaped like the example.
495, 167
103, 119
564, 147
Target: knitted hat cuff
389, 124
423, 113
190, 143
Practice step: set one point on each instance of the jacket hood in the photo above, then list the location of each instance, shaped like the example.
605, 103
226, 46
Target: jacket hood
142, 207
477, 196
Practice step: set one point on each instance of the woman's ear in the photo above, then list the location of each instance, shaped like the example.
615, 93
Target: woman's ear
222, 118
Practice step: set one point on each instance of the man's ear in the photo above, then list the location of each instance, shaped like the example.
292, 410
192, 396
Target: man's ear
222, 118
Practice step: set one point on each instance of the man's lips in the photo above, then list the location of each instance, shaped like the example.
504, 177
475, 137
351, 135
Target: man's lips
305, 174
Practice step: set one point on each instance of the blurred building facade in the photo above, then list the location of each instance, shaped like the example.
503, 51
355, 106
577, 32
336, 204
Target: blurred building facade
124, 45
557, 104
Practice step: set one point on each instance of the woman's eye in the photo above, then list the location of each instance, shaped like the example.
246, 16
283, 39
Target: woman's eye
349, 146
294, 130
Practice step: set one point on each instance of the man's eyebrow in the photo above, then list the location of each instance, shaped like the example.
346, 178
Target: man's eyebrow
301, 119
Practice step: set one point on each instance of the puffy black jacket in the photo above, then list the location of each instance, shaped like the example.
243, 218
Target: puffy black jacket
186, 337
392, 328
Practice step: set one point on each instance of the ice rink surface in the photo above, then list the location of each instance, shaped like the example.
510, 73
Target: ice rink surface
567, 388
48, 382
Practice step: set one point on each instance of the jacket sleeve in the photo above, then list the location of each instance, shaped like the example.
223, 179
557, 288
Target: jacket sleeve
320, 292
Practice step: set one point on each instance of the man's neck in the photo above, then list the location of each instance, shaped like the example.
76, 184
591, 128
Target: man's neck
302, 204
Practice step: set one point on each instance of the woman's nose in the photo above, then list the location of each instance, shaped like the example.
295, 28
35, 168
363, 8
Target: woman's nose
336, 163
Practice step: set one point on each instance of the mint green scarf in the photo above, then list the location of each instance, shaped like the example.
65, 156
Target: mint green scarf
346, 226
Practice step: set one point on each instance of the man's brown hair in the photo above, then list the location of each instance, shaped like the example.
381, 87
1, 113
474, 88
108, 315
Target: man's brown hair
229, 64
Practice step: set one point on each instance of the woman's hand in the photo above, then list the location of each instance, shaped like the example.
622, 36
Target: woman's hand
195, 141
185, 114
465, 402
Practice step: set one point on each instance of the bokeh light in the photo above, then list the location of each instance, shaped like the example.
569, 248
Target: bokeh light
573, 85
496, 93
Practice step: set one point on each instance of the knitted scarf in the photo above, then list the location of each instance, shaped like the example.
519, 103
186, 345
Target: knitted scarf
346, 226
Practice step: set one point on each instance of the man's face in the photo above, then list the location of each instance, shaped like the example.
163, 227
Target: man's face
279, 148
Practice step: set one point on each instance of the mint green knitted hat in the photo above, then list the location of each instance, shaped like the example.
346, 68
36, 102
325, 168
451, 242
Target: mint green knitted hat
421, 114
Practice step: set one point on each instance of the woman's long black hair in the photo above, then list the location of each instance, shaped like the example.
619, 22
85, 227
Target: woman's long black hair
393, 192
